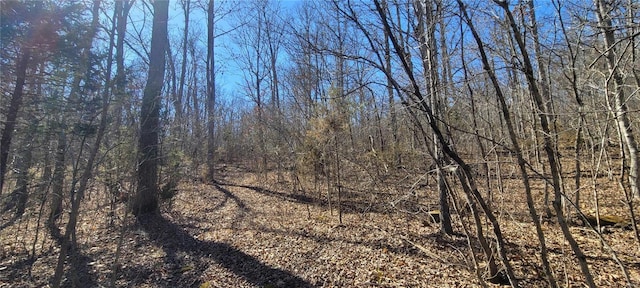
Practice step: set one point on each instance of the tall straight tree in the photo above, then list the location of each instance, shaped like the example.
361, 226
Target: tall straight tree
34, 28
186, 5
425, 32
211, 89
146, 197
36, 23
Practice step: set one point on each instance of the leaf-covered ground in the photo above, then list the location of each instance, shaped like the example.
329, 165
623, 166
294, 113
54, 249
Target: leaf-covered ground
245, 231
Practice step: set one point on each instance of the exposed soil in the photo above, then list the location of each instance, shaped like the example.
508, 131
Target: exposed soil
245, 231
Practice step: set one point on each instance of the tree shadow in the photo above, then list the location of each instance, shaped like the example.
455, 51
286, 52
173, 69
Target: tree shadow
18, 270
297, 198
10, 222
348, 203
11, 204
243, 207
175, 241
405, 248
79, 273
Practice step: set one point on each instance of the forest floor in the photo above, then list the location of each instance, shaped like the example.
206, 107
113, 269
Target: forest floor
244, 231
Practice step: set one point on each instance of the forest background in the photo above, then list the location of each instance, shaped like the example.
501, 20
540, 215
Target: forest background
484, 120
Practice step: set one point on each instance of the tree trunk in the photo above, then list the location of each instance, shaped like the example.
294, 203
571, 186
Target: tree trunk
183, 68
548, 145
57, 183
620, 109
393, 124
629, 148
22, 171
474, 119
518, 151
211, 90
77, 195
572, 76
180, 96
122, 12
468, 181
12, 113
146, 197
425, 31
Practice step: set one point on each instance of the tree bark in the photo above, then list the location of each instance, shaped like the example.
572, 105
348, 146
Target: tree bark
146, 197
620, 109
393, 124
179, 106
57, 184
22, 170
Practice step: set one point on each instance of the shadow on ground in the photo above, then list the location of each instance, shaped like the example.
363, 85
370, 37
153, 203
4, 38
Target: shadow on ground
176, 242
349, 204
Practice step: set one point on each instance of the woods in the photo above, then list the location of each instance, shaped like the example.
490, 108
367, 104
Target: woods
489, 142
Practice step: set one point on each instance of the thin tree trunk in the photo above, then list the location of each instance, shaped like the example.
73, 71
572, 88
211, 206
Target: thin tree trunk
474, 119
121, 11
194, 110
573, 79
620, 107
57, 184
390, 96
548, 145
211, 90
425, 31
22, 169
112, 187
180, 95
469, 184
78, 195
518, 151
186, 4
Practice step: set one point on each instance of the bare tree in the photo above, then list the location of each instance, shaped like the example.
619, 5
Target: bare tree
425, 30
180, 94
211, 90
549, 148
619, 106
146, 198
464, 173
515, 146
